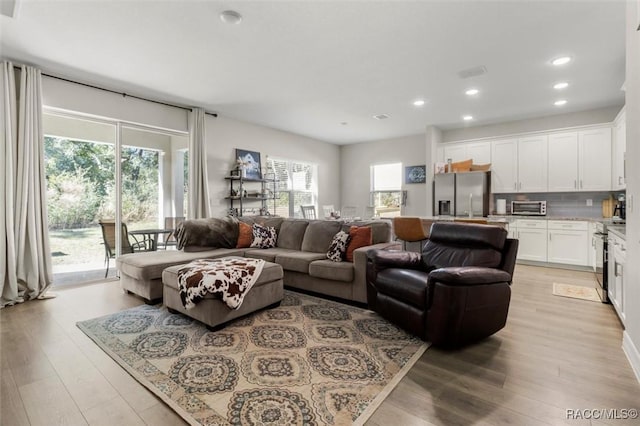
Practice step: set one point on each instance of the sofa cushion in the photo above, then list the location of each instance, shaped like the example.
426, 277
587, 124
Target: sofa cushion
212, 233
361, 236
267, 254
330, 270
149, 265
298, 261
291, 234
319, 234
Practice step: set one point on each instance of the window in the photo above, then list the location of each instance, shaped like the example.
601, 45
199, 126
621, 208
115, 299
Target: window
297, 185
386, 193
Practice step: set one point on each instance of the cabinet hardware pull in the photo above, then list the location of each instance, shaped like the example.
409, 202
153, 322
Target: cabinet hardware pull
575, 184
580, 183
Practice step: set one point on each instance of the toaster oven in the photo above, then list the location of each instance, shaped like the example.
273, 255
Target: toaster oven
529, 208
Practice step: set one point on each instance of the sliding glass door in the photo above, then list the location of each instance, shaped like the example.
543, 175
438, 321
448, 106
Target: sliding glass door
90, 195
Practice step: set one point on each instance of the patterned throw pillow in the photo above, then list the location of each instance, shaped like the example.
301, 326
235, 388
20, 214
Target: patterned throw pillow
338, 246
264, 236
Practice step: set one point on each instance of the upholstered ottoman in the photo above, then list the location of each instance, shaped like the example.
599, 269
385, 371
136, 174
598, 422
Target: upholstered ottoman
212, 311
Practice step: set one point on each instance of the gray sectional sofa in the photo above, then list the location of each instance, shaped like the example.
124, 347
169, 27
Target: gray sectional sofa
300, 249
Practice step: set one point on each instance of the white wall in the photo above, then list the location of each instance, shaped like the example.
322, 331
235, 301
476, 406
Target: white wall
358, 158
224, 135
559, 121
631, 341
69, 96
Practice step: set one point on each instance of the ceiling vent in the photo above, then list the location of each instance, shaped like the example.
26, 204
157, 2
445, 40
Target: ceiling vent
9, 8
472, 72
381, 116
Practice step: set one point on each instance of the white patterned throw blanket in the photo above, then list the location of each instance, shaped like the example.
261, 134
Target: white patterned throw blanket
231, 278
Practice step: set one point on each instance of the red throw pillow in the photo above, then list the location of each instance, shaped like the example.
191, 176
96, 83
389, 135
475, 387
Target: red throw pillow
361, 236
245, 235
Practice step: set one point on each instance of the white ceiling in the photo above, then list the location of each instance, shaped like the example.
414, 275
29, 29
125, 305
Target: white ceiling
307, 66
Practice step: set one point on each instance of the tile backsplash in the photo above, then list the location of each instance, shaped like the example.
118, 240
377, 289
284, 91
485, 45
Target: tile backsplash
565, 204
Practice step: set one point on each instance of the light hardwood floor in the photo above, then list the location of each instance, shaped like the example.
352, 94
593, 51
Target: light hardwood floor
554, 354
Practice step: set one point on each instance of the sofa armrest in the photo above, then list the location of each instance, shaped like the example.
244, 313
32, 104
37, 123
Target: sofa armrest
469, 276
360, 268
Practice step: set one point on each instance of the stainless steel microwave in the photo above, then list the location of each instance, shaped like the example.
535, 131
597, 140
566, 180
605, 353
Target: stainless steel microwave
529, 208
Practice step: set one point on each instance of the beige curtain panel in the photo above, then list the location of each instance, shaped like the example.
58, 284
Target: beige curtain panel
25, 257
198, 181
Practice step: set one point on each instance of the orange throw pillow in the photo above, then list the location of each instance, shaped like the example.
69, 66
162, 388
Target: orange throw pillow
245, 235
361, 236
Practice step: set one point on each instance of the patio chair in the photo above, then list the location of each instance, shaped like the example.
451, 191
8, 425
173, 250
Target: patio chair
308, 212
109, 240
171, 223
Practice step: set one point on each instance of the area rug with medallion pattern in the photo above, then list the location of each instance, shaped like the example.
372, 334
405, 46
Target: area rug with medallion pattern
309, 361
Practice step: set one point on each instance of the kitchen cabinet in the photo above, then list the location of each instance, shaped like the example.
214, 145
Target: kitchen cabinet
619, 150
594, 159
568, 242
504, 165
617, 259
519, 165
580, 161
479, 152
532, 235
563, 161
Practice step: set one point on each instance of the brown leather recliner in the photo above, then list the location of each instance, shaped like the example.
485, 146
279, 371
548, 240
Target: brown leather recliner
453, 293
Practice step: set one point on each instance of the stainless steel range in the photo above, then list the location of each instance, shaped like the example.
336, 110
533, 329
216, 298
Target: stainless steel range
601, 257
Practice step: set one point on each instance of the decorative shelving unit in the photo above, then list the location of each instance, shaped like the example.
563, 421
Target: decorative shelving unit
251, 196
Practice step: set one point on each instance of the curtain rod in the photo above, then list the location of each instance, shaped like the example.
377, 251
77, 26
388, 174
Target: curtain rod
213, 114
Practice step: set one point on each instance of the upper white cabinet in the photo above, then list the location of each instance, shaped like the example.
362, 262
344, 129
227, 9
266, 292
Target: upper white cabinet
563, 161
504, 165
532, 164
519, 165
479, 152
580, 161
618, 170
594, 159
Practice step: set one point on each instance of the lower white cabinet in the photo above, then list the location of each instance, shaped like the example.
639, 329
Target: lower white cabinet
532, 235
617, 259
568, 242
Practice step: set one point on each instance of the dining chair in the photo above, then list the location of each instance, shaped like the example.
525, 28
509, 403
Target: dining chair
349, 212
369, 212
308, 212
108, 227
171, 223
327, 210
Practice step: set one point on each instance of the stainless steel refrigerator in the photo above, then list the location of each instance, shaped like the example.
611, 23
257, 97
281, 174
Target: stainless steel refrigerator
458, 194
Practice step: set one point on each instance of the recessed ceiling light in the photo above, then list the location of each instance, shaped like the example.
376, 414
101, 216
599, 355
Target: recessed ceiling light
344, 123
381, 116
230, 17
560, 102
561, 60
418, 102
472, 92
467, 117
561, 85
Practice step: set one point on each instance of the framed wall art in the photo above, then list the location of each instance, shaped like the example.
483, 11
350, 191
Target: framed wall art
249, 163
415, 174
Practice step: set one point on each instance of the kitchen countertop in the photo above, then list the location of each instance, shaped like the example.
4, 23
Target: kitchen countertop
586, 219
618, 230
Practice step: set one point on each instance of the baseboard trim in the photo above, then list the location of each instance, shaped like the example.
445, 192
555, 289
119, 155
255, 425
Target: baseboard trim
632, 353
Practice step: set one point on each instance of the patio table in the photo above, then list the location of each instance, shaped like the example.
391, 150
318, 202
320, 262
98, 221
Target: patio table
152, 235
